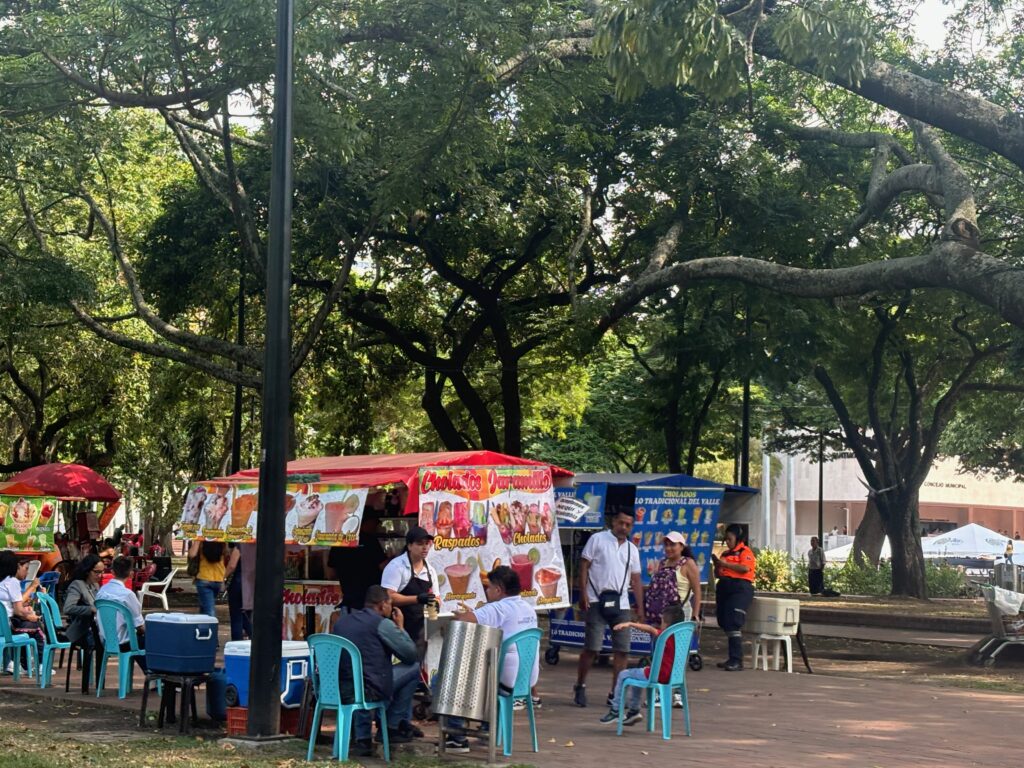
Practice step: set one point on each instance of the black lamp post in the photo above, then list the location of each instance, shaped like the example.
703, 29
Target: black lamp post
265, 660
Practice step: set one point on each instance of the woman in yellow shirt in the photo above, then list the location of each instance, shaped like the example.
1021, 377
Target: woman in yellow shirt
210, 578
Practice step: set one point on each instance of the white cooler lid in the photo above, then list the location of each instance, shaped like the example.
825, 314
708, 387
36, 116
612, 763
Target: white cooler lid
181, 618
289, 648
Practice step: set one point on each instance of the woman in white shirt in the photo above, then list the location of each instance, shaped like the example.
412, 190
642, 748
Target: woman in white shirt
16, 602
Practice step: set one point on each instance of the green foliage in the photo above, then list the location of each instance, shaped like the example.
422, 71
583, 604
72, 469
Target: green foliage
778, 572
690, 43
831, 36
773, 571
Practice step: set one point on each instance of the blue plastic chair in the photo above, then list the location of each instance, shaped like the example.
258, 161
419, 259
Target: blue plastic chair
53, 643
13, 643
527, 644
325, 652
683, 634
108, 611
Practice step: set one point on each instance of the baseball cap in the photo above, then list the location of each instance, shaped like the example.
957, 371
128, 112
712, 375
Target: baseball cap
675, 536
416, 533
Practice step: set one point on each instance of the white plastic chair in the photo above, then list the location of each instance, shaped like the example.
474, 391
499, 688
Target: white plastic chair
158, 589
33, 569
761, 649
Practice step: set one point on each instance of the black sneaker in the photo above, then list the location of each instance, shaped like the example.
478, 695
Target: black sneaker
610, 699
579, 695
455, 744
721, 664
633, 717
733, 666
611, 716
395, 736
362, 748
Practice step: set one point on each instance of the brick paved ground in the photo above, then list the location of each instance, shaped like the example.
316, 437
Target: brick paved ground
758, 718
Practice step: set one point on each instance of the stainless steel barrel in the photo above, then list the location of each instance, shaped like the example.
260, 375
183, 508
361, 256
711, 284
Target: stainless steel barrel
464, 687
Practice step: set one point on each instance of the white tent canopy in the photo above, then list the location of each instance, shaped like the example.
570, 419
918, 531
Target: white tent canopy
971, 540
842, 554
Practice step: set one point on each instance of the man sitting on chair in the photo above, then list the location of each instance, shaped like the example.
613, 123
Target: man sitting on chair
117, 591
507, 611
377, 630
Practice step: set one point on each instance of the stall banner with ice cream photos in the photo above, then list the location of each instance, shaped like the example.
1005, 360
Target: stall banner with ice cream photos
205, 514
324, 515
320, 514
27, 523
483, 517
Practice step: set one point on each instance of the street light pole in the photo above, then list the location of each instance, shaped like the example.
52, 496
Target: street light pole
265, 660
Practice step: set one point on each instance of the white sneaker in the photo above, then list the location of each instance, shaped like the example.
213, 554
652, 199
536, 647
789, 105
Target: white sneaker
9, 669
677, 700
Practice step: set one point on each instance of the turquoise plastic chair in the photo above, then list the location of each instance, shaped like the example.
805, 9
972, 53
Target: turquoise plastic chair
683, 634
14, 643
108, 611
325, 652
53, 643
527, 644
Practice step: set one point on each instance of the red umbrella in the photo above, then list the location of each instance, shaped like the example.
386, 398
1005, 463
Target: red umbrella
68, 481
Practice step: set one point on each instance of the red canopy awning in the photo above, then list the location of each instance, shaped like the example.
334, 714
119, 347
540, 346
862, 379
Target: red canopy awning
372, 471
68, 481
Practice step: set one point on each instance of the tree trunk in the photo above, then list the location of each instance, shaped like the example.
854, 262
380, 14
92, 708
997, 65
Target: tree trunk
477, 409
512, 406
671, 432
908, 572
867, 541
439, 418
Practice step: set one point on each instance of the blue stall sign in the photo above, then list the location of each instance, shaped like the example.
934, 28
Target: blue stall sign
592, 494
693, 512
571, 634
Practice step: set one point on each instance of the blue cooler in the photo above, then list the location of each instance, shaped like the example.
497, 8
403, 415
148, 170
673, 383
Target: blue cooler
294, 670
181, 643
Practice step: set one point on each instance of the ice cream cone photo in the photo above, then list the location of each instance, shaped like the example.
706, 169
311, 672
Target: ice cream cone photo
217, 507
23, 515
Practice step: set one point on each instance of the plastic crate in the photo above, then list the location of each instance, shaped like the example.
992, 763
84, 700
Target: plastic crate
238, 719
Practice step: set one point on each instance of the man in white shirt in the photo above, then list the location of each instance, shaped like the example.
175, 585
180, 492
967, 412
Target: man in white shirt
117, 591
507, 611
609, 564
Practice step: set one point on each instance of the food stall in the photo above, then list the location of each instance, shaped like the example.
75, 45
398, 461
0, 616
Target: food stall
660, 503
27, 518
484, 509
87, 503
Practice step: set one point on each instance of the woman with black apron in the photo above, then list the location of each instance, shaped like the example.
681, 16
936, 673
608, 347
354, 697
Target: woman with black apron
410, 580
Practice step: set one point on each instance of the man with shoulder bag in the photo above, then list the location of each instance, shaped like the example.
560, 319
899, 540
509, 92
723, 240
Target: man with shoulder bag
609, 567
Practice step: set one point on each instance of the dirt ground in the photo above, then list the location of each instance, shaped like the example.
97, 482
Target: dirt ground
969, 609
891, 661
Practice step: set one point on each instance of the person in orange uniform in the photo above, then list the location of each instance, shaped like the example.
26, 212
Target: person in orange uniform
734, 592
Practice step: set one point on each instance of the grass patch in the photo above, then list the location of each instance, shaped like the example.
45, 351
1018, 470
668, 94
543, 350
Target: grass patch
117, 744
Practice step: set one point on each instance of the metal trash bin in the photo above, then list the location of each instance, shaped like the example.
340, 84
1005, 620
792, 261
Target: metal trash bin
465, 680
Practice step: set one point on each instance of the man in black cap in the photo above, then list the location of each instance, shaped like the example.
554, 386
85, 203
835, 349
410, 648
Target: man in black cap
410, 581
